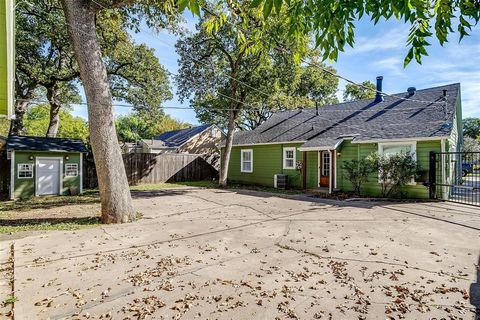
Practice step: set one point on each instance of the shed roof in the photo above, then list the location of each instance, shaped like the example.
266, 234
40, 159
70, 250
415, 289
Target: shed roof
362, 120
23, 143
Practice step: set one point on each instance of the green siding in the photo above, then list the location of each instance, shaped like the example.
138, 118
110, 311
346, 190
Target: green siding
4, 59
25, 188
267, 161
350, 151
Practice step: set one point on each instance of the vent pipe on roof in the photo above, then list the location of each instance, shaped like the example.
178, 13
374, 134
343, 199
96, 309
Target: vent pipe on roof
316, 108
411, 91
378, 95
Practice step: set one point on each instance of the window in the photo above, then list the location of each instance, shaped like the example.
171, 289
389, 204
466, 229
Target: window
325, 163
25, 170
71, 170
289, 158
247, 160
396, 148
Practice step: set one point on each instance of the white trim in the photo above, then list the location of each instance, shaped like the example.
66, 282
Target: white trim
322, 148
9, 19
76, 169
285, 149
262, 144
335, 171
413, 145
18, 170
81, 173
251, 160
399, 140
330, 182
12, 175
60, 185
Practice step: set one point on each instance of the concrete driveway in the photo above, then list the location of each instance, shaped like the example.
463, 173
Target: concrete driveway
214, 254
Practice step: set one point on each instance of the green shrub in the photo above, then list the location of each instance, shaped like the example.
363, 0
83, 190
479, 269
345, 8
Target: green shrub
394, 171
358, 171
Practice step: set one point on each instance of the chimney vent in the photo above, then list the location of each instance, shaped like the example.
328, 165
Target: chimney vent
378, 95
411, 91
445, 93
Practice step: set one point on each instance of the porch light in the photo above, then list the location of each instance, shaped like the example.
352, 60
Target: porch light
67, 158
339, 154
30, 157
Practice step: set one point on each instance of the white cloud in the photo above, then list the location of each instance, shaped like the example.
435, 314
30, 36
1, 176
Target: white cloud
392, 39
391, 65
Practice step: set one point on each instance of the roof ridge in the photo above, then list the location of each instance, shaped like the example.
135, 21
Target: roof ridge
38, 137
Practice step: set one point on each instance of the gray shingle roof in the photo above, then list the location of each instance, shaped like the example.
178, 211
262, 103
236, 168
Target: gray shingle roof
23, 143
176, 138
364, 120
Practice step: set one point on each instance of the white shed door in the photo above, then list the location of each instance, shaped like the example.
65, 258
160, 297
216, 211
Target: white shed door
48, 176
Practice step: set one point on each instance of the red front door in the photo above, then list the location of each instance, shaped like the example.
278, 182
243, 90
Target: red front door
324, 168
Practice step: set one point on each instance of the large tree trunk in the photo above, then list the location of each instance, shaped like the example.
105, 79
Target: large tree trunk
24, 96
112, 179
55, 105
222, 181
16, 126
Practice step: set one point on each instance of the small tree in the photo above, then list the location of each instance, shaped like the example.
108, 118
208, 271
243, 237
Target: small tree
395, 171
358, 172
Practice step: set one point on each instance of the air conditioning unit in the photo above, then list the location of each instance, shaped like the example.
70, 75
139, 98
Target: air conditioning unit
280, 181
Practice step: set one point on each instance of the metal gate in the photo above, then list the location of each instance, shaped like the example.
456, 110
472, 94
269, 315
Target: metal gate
455, 176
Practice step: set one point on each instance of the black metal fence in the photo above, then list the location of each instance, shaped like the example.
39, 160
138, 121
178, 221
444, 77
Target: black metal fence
455, 176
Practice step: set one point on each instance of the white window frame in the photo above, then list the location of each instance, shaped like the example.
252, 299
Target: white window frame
413, 151
24, 164
242, 152
76, 169
326, 165
285, 150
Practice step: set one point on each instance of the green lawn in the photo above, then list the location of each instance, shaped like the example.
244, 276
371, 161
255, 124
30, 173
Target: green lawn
12, 226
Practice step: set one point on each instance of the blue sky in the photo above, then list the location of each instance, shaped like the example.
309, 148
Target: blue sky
379, 50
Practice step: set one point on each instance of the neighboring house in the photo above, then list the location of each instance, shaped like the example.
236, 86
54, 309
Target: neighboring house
202, 140
130, 147
7, 57
320, 140
44, 166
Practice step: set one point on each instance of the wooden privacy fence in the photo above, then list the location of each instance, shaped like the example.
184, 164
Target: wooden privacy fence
146, 168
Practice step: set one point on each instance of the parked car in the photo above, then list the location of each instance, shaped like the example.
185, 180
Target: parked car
467, 168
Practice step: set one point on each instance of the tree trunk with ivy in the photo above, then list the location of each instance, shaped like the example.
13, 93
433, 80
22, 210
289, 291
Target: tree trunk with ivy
112, 180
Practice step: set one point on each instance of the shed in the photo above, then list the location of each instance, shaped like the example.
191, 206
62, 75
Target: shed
44, 166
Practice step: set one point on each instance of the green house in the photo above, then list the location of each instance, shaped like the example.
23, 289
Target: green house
44, 166
7, 58
309, 146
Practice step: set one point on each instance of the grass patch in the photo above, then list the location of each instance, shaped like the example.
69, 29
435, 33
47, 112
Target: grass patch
46, 202
17, 225
11, 299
